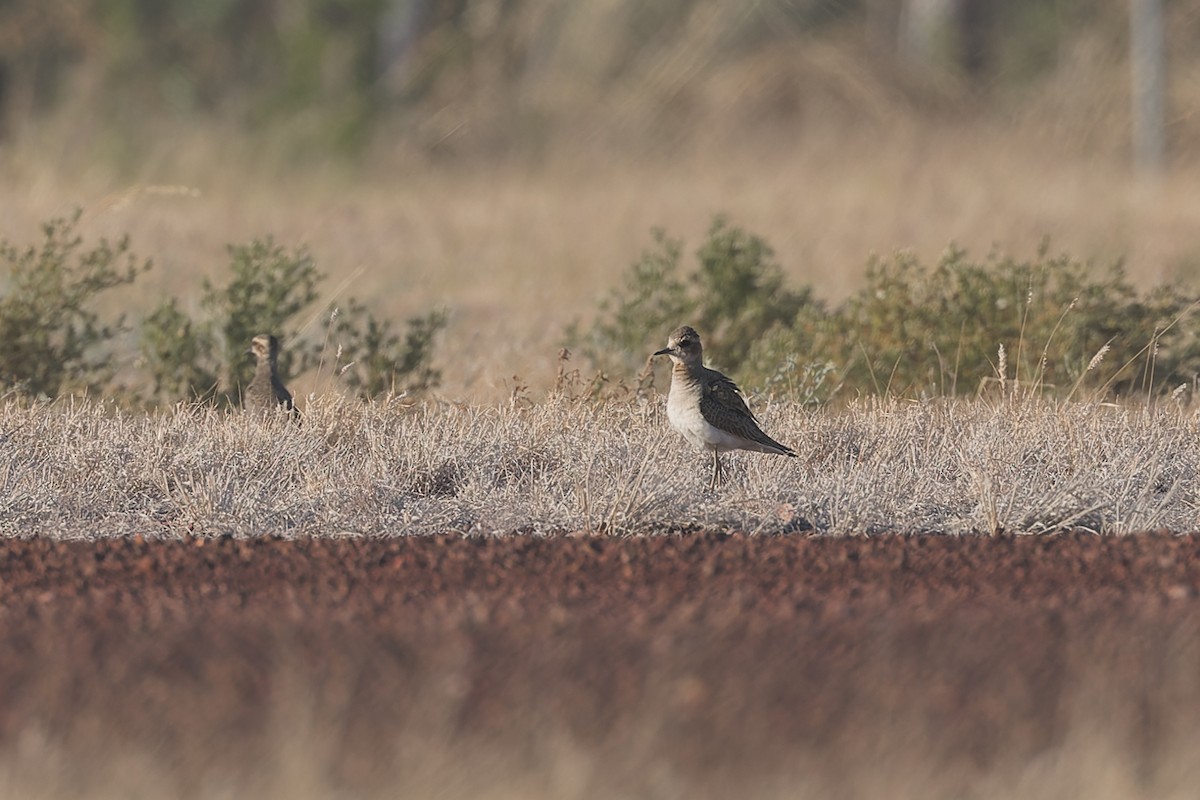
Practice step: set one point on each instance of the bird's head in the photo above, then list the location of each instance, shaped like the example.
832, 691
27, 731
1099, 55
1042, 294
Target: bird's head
264, 347
683, 346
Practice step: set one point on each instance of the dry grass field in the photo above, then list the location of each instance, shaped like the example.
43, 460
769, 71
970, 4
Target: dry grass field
81, 470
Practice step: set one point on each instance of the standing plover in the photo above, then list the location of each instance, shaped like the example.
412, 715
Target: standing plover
707, 408
266, 390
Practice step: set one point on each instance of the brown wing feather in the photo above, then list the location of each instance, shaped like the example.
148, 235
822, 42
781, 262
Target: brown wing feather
722, 404
725, 392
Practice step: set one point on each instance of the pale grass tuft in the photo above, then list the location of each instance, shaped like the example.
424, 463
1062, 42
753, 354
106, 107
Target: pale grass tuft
1002, 366
84, 470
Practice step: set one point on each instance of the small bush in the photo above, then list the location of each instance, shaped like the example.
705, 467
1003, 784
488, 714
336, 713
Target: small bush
741, 296
54, 341
737, 297
915, 330
269, 290
912, 330
206, 359
178, 355
382, 361
651, 300
270, 287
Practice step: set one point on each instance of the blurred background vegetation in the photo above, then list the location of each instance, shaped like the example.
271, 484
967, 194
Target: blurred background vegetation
497, 75
483, 171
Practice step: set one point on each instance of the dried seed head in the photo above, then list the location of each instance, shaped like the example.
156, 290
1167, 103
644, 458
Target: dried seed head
1096, 359
1002, 366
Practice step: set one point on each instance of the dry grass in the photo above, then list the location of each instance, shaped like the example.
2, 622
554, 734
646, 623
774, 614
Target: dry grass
85, 470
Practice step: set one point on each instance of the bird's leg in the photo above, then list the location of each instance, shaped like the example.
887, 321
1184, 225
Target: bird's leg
716, 476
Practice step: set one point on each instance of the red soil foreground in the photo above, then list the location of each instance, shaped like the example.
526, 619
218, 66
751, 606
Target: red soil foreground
664, 666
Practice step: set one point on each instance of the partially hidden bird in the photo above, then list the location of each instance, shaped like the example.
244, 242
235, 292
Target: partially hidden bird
266, 390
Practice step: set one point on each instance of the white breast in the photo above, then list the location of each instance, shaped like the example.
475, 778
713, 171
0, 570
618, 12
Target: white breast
683, 412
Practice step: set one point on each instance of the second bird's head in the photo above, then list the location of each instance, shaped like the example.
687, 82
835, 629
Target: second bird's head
264, 346
683, 346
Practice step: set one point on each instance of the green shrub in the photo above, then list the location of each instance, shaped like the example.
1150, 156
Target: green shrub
650, 302
915, 330
206, 359
737, 297
740, 295
269, 289
54, 341
178, 354
1065, 327
380, 360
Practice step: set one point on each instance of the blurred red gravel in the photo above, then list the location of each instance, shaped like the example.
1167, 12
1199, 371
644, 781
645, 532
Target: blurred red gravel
710, 656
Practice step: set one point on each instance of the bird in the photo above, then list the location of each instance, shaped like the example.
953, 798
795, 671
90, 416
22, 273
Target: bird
707, 408
266, 390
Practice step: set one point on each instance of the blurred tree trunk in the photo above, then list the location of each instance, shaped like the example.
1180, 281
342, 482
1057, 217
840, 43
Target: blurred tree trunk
882, 23
923, 27
5, 103
975, 30
1148, 76
400, 28
935, 33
